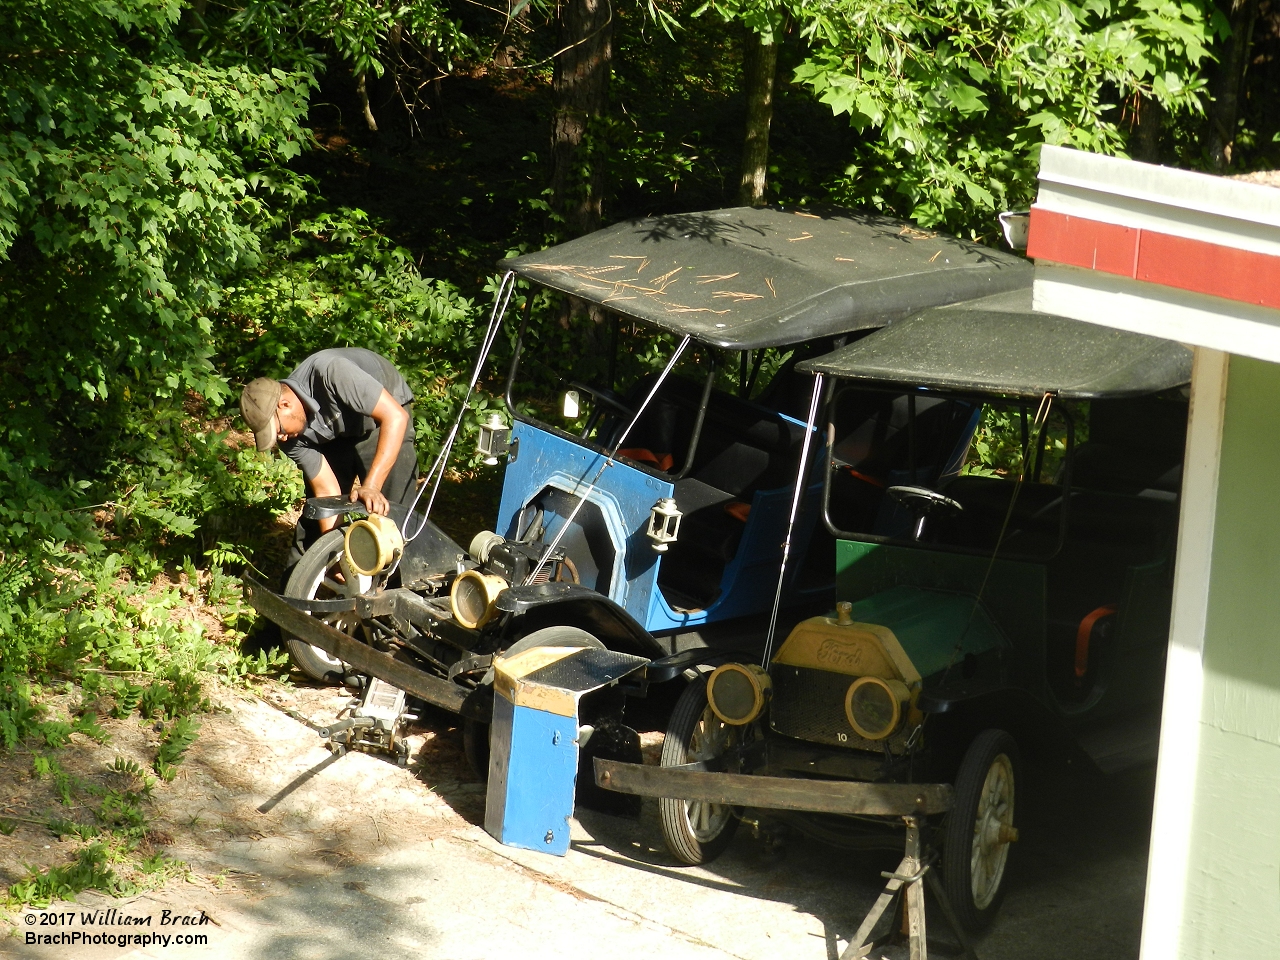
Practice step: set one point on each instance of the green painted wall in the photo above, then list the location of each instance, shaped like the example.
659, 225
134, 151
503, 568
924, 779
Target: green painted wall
1233, 892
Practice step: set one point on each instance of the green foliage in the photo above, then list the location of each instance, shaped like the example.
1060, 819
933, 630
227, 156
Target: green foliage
132, 771
180, 735
139, 164
90, 871
128, 697
115, 834
133, 178
996, 450
951, 101
176, 696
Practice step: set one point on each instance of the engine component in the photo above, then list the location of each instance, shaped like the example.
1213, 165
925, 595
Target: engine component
873, 706
372, 544
737, 692
513, 560
481, 544
839, 645
473, 597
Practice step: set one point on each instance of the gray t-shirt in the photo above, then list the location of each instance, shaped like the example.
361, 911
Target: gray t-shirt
339, 389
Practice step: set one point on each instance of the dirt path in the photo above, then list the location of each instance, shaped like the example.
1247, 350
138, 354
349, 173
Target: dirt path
293, 852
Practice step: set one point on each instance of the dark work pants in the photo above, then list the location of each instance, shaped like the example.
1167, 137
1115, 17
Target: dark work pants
351, 457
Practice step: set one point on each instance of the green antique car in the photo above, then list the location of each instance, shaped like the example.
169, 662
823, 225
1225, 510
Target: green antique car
1003, 488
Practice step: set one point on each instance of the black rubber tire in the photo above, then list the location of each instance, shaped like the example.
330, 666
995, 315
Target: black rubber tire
302, 586
994, 753
691, 710
475, 733
475, 747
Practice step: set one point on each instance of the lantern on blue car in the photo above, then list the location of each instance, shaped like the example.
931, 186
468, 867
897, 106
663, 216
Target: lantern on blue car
664, 524
493, 441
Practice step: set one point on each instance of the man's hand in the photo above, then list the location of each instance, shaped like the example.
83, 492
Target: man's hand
371, 497
392, 421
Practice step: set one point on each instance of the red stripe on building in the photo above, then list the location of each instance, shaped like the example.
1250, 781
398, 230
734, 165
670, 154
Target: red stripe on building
1179, 262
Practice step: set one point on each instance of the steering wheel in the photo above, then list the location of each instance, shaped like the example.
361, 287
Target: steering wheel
924, 503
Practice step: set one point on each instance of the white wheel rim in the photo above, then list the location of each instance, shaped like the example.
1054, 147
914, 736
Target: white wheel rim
324, 587
710, 739
992, 828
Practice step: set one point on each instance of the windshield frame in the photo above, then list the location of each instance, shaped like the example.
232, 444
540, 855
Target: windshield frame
983, 398
582, 441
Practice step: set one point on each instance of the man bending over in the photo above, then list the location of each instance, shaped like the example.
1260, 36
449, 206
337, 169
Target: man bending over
345, 417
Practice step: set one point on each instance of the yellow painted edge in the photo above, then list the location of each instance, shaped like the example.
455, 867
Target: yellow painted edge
528, 661
888, 640
557, 700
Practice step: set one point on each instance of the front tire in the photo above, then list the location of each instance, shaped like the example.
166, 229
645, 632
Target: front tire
696, 832
312, 579
980, 828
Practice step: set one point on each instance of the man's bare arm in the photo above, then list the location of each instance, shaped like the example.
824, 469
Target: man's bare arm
325, 484
392, 421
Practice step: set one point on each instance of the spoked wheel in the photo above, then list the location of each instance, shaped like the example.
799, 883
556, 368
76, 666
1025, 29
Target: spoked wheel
696, 831
317, 577
980, 828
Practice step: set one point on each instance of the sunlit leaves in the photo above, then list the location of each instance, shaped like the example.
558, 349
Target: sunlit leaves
133, 178
954, 97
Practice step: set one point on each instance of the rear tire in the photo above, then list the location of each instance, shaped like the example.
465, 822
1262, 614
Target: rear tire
696, 832
312, 579
977, 834
475, 747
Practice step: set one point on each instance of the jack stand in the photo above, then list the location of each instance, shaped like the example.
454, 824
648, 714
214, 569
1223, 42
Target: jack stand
914, 868
377, 723
374, 723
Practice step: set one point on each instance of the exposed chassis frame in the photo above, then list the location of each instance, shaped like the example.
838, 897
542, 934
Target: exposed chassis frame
364, 658
693, 781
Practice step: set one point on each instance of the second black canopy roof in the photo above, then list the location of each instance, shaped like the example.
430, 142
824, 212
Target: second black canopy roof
746, 278
999, 345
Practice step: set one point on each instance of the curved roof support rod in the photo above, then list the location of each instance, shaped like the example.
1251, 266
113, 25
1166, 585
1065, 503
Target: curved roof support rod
505, 291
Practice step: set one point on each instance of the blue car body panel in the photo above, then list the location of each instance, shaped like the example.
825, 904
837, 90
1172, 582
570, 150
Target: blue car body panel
624, 496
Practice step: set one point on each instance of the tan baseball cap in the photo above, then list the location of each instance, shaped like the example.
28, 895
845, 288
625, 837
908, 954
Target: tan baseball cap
258, 407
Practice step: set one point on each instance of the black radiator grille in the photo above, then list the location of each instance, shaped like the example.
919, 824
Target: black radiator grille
808, 705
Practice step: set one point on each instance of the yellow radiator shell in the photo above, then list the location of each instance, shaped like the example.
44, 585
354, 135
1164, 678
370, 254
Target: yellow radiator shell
853, 649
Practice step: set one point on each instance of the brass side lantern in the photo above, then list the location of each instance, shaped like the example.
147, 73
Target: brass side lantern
664, 524
494, 439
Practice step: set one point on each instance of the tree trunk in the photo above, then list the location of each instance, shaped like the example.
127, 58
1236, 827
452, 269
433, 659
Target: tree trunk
581, 88
1148, 125
1228, 81
362, 88
759, 65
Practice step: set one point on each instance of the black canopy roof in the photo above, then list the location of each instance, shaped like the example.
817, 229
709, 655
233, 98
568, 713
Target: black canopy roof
998, 345
746, 278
